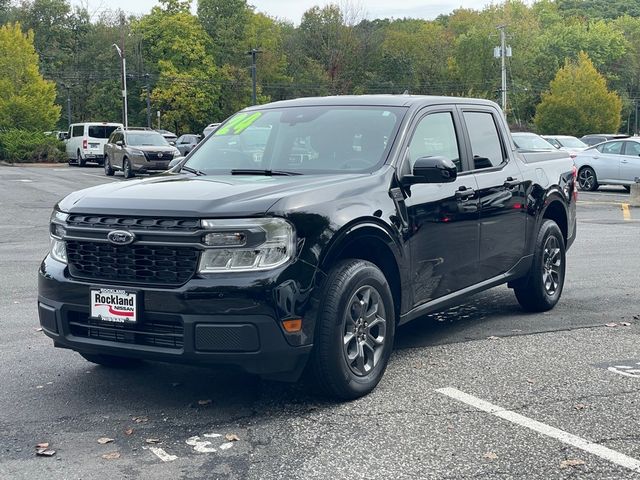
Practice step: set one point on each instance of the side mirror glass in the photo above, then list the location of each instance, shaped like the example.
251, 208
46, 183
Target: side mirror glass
432, 170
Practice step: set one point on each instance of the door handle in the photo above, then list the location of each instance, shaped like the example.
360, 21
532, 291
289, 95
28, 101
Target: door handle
511, 182
464, 193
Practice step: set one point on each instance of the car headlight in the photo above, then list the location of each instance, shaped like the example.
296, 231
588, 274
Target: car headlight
136, 152
246, 244
57, 230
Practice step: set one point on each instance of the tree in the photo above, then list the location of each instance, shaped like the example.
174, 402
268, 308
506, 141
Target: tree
225, 21
27, 100
578, 102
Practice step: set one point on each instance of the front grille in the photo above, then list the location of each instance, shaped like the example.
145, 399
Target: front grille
165, 332
156, 156
160, 265
134, 223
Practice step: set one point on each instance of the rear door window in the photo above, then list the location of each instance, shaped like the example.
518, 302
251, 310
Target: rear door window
486, 146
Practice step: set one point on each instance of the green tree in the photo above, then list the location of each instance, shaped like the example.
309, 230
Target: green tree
578, 102
27, 100
225, 21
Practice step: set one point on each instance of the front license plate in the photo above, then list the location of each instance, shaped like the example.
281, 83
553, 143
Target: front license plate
112, 305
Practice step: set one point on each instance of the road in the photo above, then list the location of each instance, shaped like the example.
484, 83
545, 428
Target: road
565, 370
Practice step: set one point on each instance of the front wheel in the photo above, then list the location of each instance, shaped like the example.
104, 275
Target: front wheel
355, 330
126, 168
111, 361
587, 179
108, 169
540, 290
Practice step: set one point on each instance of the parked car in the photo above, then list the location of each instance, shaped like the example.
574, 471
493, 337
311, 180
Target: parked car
210, 128
137, 150
170, 136
186, 143
595, 138
531, 142
616, 162
58, 134
86, 141
403, 206
566, 143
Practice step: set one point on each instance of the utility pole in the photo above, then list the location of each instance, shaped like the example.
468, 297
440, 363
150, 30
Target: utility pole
68, 87
503, 51
146, 76
253, 52
125, 118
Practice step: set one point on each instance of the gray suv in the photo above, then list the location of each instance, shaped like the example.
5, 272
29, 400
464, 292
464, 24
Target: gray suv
137, 150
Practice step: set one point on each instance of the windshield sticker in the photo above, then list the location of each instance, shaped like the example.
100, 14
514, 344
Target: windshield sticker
238, 124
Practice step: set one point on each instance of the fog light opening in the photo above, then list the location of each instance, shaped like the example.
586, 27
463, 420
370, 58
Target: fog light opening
293, 325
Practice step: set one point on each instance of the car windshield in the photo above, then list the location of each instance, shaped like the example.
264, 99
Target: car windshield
146, 139
101, 131
532, 142
314, 139
572, 142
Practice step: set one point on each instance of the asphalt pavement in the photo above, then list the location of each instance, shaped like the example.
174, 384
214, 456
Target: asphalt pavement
482, 390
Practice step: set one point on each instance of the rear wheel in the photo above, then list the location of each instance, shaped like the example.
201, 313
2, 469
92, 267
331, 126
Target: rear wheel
108, 169
111, 361
587, 179
541, 289
126, 168
355, 330
81, 161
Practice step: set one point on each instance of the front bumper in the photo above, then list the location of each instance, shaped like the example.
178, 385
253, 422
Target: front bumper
142, 165
231, 320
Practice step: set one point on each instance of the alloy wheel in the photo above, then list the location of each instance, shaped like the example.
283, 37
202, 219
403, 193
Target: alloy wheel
552, 265
586, 179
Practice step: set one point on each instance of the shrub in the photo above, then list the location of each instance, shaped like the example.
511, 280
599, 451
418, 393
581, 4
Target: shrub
20, 146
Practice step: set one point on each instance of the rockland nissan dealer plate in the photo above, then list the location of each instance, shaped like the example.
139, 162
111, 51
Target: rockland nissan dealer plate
111, 305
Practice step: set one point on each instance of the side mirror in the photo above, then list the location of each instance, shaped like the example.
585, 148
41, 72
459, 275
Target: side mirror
432, 170
172, 143
175, 162
120, 143
65, 136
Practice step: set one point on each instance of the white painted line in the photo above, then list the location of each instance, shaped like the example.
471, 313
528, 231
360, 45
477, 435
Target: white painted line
568, 438
94, 175
162, 455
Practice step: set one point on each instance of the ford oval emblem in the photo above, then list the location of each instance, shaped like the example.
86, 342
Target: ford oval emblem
121, 237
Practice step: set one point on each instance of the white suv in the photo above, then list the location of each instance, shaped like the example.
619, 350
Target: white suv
85, 141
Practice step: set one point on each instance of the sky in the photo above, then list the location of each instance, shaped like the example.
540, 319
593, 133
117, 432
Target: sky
292, 10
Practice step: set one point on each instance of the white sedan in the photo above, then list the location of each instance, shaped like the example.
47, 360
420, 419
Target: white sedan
616, 162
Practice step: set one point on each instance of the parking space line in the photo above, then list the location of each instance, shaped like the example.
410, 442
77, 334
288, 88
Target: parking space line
626, 214
162, 455
565, 437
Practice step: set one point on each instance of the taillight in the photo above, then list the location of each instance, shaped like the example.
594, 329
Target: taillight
85, 144
574, 175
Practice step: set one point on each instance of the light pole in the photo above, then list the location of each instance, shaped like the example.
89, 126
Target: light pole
124, 84
68, 87
253, 52
146, 76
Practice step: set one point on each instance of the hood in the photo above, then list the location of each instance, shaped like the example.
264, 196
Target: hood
181, 195
154, 148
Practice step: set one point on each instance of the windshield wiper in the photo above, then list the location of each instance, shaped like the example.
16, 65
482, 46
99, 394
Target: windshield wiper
192, 170
249, 171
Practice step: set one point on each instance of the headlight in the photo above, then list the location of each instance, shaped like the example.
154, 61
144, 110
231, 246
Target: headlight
244, 245
136, 152
58, 250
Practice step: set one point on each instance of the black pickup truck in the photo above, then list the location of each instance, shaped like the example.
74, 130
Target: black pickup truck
302, 233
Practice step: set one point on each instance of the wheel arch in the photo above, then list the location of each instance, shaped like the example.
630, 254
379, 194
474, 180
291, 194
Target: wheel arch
556, 210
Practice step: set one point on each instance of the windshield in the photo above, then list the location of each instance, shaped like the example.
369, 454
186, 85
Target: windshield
146, 139
572, 142
101, 131
318, 139
532, 142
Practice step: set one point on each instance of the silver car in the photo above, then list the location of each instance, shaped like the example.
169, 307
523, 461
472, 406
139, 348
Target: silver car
566, 143
616, 162
186, 143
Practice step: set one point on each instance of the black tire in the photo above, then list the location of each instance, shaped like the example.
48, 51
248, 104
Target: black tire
111, 361
541, 289
587, 179
108, 169
81, 161
126, 168
343, 299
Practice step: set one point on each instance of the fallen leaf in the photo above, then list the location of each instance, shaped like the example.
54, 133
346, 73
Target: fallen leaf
45, 452
490, 456
625, 324
493, 337
140, 419
43, 445
611, 324
571, 462
111, 456
152, 440
104, 440
128, 431
580, 406
204, 403
231, 437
